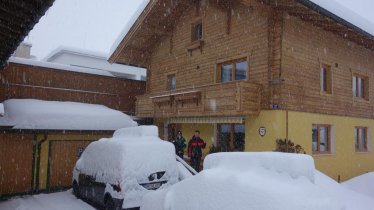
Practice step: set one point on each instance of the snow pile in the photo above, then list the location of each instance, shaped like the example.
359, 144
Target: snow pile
55, 115
128, 159
363, 184
350, 199
54, 201
244, 181
295, 165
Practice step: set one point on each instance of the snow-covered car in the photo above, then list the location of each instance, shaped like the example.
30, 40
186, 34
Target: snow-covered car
116, 172
243, 181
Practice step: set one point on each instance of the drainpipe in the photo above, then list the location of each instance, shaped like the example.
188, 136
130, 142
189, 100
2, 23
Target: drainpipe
38, 161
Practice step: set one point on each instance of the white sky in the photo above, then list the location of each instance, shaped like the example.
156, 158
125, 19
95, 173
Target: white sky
95, 24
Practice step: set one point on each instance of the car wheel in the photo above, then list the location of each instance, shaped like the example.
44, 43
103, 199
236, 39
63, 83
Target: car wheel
109, 204
76, 190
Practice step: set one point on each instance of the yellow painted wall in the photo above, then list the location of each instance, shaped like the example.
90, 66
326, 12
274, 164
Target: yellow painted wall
275, 124
345, 161
45, 152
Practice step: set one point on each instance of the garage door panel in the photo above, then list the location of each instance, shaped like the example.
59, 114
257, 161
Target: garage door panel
63, 156
16, 151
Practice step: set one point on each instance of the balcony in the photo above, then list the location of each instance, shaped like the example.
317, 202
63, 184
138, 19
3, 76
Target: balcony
227, 99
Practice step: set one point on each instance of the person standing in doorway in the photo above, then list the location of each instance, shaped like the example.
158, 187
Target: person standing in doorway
180, 144
195, 146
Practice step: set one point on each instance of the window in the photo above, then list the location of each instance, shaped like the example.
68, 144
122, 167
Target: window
361, 142
232, 70
231, 137
326, 79
197, 31
360, 87
321, 138
171, 82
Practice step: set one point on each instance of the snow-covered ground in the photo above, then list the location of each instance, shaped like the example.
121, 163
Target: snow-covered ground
54, 201
363, 184
256, 181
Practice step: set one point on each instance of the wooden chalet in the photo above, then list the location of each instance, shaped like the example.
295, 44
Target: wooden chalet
248, 72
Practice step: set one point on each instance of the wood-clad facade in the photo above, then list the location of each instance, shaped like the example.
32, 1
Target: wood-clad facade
34, 161
305, 67
25, 81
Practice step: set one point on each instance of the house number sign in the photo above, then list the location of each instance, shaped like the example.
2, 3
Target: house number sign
262, 131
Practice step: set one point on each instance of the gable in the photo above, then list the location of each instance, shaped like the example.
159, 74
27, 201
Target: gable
160, 16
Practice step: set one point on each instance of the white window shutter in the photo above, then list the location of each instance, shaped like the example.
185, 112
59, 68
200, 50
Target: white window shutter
369, 139
332, 138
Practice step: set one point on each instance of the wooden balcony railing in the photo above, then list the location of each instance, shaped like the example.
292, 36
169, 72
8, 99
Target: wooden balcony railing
226, 99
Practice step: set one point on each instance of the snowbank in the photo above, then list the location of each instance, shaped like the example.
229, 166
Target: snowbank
129, 159
54, 201
295, 165
55, 115
255, 181
363, 184
351, 200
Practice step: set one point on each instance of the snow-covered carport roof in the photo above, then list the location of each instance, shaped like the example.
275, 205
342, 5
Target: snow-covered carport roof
156, 18
17, 18
31, 114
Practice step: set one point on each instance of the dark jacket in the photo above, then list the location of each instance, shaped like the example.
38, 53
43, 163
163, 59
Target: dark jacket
195, 147
180, 144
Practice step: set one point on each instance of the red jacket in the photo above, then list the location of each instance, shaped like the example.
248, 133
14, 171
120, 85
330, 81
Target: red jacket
195, 146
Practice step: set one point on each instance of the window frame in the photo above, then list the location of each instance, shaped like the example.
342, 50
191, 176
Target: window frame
326, 83
356, 88
233, 63
232, 135
199, 21
328, 150
357, 146
168, 84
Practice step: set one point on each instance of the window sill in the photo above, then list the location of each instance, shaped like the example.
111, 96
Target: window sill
195, 45
232, 81
321, 93
321, 154
357, 99
362, 152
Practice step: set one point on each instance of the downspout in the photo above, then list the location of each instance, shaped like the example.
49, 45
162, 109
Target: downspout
38, 161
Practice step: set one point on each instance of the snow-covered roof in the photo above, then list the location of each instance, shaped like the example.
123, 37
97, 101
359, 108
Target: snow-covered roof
56, 115
346, 14
93, 60
128, 26
59, 66
72, 50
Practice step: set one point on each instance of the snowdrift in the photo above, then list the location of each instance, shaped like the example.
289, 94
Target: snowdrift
295, 165
363, 184
243, 181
